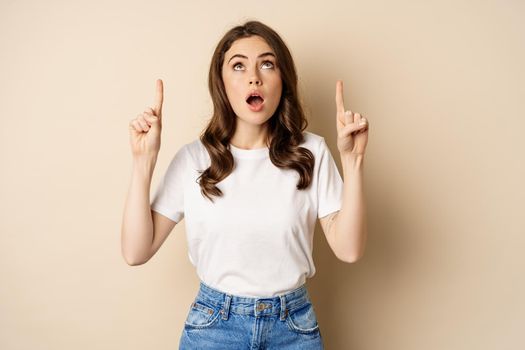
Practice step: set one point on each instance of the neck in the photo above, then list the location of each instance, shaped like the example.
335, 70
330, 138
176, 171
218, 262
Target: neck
248, 136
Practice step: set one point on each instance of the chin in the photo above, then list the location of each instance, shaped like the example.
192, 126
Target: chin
255, 120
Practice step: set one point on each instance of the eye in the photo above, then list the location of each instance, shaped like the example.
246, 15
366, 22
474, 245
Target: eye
270, 62
264, 63
236, 64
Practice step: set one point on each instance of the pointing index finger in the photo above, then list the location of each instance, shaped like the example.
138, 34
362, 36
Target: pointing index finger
339, 100
159, 97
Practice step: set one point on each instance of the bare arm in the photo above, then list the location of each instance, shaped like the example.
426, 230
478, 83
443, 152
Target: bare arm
143, 230
346, 230
327, 223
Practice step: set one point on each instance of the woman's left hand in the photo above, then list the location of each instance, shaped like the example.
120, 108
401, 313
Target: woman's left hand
352, 128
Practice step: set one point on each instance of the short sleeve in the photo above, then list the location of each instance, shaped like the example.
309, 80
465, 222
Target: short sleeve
329, 183
168, 198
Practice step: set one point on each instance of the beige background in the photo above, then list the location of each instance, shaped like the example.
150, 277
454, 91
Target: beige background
441, 83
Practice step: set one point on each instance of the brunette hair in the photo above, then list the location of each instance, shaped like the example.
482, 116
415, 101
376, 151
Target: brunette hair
285, 126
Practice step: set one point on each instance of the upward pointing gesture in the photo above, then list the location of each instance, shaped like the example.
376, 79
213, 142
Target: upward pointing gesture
352, 128
145, 129
159, 97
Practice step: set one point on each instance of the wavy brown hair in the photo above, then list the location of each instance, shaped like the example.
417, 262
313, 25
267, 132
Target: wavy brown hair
285, 126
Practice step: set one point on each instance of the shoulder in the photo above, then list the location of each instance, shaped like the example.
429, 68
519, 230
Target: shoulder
196, 153
312, 137
313, 142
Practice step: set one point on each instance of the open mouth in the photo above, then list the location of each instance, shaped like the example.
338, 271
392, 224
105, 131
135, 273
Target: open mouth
255, 100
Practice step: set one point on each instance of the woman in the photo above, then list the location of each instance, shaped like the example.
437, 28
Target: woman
250, 188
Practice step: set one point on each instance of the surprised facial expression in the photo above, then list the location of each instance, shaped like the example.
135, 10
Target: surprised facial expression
252, 79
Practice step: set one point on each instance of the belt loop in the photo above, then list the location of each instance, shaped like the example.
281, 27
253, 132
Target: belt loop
226, 309
284, 311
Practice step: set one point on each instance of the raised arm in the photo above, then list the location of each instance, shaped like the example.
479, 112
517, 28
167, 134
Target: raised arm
144, 231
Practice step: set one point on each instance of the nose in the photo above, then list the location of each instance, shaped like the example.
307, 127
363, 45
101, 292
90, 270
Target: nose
255, 80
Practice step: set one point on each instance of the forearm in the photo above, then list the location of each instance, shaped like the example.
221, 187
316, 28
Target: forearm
137, 224
350, 225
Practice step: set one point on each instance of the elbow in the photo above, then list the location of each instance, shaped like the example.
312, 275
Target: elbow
351, 258
133, 257
133, 260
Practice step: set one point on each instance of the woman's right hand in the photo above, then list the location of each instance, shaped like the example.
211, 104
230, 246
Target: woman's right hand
145, 129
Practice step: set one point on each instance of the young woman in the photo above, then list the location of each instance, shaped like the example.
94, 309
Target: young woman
250, 188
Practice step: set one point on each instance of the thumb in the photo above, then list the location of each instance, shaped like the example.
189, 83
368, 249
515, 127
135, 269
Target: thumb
159, 97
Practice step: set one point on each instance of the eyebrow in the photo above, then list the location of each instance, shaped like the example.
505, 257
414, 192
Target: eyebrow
242, 56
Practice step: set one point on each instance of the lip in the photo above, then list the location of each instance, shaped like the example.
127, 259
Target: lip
259, 107
254, 93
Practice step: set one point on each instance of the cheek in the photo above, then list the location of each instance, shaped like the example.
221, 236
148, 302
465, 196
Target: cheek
229, 86
233, 86
277, 88
276, 81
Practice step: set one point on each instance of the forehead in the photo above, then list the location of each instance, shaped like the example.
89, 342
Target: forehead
251, 46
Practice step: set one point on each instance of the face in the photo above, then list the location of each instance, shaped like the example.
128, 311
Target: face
250, 65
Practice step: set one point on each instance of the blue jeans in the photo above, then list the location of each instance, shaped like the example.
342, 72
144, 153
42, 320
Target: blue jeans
217, 320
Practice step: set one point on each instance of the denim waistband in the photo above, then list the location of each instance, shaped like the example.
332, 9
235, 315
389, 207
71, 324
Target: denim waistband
279, 305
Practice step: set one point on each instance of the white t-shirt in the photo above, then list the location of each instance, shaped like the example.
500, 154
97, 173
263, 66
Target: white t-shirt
255, 240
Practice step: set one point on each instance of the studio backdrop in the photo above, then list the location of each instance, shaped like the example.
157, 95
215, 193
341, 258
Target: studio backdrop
440, 82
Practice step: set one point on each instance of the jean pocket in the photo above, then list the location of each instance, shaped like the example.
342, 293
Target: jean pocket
201, 315
303, 320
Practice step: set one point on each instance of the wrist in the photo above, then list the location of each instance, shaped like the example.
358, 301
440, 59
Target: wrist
144, 165
352, 161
